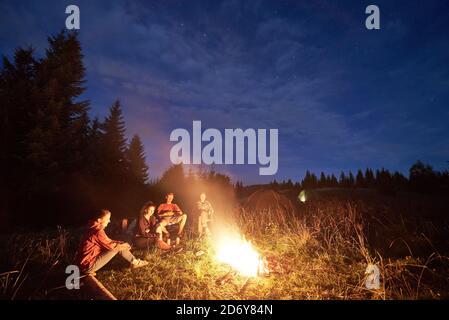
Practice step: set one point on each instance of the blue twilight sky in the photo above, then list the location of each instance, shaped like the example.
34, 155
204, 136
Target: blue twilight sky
343, 97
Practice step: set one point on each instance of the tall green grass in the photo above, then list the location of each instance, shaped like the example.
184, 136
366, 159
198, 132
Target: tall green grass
320, 252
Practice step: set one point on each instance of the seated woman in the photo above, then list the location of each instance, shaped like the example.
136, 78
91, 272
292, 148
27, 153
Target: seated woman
146, 229
96, 249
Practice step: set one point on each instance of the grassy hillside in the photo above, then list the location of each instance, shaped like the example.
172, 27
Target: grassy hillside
320, 252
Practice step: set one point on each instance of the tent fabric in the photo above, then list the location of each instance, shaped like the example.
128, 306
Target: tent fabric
262, 200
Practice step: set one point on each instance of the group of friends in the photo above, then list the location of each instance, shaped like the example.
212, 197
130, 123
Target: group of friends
97, 249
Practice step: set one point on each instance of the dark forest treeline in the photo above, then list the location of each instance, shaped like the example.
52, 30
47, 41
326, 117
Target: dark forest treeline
56, 162
58, 165
422, 178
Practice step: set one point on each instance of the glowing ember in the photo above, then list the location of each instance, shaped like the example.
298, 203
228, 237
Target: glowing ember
239, 254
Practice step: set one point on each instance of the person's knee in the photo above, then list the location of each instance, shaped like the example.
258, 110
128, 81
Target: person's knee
124, 251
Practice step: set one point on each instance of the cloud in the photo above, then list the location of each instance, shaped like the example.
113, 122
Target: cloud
222, 86
337, 95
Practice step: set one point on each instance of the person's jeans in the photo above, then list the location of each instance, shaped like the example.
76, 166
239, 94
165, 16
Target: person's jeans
106, 256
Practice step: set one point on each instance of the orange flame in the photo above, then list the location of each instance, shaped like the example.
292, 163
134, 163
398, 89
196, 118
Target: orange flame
239, 254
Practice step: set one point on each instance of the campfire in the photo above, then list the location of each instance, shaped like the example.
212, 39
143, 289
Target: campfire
240, 255
243, 259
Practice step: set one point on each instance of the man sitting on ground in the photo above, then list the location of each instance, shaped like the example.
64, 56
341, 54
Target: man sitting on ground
96, 249
170, 214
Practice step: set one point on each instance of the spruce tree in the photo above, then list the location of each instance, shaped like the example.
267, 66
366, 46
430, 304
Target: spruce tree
334, 181
369, 178
17, 98
360, 180
113, 146
323, 181
342, 182
351, 180
16, 109
138, 168
60, 80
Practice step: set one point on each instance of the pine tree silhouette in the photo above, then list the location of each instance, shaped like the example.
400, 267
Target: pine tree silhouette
138, 168
113, 145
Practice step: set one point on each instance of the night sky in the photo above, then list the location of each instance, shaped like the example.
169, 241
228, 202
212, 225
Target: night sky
343, 97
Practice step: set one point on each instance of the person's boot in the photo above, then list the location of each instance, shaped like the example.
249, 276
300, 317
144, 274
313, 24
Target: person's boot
138, 263
162, 245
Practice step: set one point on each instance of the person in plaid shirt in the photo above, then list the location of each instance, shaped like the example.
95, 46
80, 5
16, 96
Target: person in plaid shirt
170, 214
